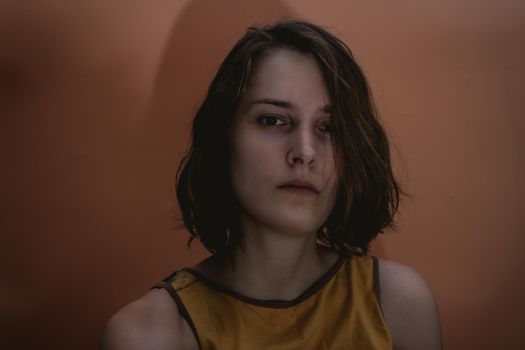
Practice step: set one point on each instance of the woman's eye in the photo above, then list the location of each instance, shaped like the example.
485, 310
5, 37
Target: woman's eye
327, 127
271, 120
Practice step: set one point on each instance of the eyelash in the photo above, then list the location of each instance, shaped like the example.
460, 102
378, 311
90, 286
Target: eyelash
329, 127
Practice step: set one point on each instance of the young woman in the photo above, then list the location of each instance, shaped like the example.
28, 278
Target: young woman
287, 182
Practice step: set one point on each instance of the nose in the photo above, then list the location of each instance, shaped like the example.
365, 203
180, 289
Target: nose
301, 151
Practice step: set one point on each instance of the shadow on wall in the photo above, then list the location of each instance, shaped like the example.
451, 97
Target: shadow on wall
199, 41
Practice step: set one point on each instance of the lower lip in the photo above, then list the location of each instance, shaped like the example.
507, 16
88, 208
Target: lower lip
299, 190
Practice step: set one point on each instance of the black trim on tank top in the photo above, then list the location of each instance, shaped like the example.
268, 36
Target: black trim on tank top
377, 287
166, 284
317, 285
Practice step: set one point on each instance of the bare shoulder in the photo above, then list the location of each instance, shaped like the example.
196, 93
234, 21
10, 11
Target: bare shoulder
152, 322
409, 307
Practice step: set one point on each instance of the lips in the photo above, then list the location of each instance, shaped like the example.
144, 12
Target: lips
299, 185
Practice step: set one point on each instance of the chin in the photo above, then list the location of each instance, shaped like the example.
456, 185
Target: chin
297, 225
293, 220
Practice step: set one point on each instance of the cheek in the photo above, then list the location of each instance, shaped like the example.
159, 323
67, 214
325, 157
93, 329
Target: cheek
332, 181
251, 165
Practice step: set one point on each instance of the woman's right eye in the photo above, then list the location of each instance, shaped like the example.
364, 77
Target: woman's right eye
271, 120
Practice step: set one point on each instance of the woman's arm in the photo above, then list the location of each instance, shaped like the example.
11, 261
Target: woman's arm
150, 323
409, 308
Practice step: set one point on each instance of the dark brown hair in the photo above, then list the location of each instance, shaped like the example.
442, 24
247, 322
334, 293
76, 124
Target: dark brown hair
368, 196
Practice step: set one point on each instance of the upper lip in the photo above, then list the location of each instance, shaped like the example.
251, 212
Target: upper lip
300, 183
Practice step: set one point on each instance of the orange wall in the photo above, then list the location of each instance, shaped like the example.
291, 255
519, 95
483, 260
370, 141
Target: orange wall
96, 98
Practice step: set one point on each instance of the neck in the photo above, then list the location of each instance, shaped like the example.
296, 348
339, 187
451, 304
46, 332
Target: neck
274, 266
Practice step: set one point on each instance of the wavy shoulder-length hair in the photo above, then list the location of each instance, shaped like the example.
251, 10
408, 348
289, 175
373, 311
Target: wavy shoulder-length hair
368, 196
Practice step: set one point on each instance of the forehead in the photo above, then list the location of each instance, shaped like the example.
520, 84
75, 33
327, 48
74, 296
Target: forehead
289, 75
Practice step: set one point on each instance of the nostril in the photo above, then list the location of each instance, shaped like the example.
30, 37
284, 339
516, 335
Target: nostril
297, 159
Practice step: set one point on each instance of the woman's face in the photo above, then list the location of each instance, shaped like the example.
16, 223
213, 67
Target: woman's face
280, 137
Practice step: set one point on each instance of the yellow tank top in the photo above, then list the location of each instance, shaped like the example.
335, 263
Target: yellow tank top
339, 311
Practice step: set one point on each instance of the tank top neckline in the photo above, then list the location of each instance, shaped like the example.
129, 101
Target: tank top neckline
274, 303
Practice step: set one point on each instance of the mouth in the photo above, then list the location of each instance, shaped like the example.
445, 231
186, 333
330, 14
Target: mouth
300, 190
299, 187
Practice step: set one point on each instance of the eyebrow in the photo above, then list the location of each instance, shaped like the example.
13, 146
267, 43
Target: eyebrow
284, 104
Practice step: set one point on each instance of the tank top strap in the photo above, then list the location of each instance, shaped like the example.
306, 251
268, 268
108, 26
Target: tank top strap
168, 285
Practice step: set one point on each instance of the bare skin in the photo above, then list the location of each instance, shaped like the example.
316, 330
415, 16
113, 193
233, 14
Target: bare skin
279, 135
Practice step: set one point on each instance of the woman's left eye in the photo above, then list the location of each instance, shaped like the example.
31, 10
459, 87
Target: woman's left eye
271, 120
327, 127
